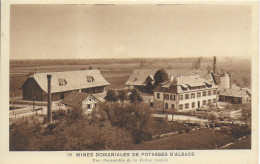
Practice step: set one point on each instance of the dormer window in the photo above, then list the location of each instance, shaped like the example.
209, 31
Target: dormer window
62, 82
90, 79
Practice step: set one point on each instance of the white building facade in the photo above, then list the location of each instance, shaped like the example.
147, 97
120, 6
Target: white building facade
185, 93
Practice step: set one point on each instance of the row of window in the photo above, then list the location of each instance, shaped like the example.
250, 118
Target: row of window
204, 102
193, 95
187, 96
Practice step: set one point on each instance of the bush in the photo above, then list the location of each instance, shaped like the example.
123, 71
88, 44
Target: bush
188, 129
135, 118
225, 130
239, 131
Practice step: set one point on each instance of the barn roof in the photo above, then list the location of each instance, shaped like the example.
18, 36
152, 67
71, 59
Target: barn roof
139, 76
235, 93
70, 80
75, 99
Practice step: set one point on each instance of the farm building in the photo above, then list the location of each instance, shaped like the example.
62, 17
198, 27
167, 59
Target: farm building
140, 77
80, 100
62, 84
185, 92
235, 96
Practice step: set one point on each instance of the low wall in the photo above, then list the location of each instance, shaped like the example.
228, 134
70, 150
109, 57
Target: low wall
27, 102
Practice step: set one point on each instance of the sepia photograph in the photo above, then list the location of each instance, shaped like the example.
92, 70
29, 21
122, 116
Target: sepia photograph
106, 80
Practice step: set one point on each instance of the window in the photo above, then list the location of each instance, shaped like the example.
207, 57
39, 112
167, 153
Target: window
172, 106
62, 82
187, 106
61, 96
186, 96
204, 94
158, 95
193, 95
181, 97
166, 97
181, 106
90, 79
214, 100
209, 101
172, 97
166, 105
209, 93
88, 106
204, 102
214, 92
199, 94
193, 105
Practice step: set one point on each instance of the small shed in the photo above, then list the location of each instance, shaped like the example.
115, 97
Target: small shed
80, 99
235, 96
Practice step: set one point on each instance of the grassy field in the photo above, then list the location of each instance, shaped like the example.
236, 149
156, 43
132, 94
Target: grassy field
195, 140
242, 144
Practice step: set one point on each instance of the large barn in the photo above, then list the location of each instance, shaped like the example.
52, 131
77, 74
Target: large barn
140, 77
63, 83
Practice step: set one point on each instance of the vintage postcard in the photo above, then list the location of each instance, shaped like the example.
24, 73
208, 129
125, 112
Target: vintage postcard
129, 82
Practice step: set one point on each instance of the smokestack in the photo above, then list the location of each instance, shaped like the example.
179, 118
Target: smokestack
171, 78
49, 114
214, 64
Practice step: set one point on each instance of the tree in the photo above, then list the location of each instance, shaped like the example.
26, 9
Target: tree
135, 96
149, 86
246, 113
111, 96
160, 76
135, 118
122, 96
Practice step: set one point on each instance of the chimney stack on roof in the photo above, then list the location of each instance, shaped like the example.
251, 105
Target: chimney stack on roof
171, 78
177, 78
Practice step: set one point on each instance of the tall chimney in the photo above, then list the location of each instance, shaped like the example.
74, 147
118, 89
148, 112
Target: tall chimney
214, 64
49, 114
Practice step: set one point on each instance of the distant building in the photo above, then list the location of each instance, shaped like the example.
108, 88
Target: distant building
235, 96
223, 80
185, 92
140, 77
81, 100
62, 84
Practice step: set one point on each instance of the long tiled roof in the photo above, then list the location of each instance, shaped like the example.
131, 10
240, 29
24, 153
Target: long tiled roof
235, 93
138, 77
70, 80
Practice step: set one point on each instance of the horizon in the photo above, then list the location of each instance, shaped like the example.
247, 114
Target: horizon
207, 57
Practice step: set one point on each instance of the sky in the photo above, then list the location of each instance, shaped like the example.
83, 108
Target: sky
129, 31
